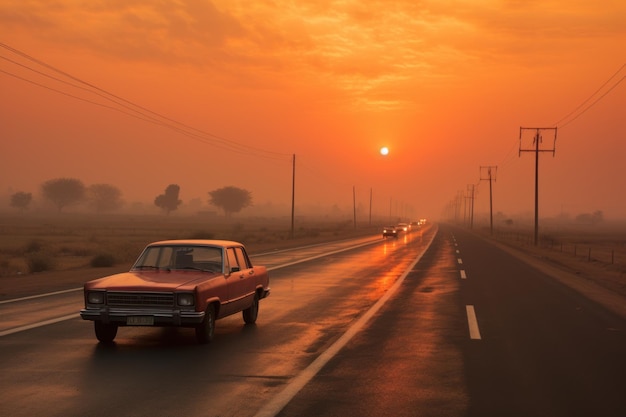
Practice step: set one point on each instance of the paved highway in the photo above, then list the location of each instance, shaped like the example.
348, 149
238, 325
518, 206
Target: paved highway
545, 350
477, 332
405, 327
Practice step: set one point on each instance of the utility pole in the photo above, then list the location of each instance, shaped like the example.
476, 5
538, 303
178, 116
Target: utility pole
537, 139
293, 195
490, 176
354, 204
459, 200
470, 196
370, 222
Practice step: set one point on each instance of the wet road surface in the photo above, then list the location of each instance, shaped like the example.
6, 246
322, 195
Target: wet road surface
368, 328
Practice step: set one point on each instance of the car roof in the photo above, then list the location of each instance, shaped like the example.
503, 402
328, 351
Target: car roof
196, 242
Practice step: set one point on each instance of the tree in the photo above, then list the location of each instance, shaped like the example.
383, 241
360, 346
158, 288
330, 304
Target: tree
230, 199
104, 197
21, 200
591, 218
169, 200
63, 192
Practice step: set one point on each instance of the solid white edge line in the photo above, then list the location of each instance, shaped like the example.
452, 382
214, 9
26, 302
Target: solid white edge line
32, 297
322, 255
40, 324
278, 402
472, 323
68, 317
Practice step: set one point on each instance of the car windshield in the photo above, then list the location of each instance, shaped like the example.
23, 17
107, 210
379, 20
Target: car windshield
203, 258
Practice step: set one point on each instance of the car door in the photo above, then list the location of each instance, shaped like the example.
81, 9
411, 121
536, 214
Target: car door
239, 279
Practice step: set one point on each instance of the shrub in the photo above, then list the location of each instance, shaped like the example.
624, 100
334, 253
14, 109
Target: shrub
33, 246
39, 263
5, 267
102, 260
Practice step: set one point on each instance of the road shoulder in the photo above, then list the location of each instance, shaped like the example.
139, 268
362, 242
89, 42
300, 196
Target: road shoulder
583, 283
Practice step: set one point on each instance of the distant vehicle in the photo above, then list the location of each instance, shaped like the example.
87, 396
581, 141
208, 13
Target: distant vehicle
390, 231
404, 227
183, 283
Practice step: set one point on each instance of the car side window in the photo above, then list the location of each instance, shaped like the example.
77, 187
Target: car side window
232, 260
244, 262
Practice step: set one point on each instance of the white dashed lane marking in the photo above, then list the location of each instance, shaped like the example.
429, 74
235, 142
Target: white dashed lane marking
473, 323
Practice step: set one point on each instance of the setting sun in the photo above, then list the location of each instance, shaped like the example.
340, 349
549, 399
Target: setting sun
200, 87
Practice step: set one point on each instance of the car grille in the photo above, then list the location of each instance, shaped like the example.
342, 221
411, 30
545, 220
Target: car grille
140, 299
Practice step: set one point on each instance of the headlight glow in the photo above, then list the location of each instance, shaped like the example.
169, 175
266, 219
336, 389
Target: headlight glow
185, 300
95, 297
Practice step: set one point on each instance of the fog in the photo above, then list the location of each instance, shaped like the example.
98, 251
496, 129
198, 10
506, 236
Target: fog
296, 108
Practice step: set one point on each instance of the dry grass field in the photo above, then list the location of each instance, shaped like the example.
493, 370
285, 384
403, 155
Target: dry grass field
69, 249
38, 243
58, 250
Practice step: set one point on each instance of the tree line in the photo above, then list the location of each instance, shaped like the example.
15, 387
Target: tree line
65, 192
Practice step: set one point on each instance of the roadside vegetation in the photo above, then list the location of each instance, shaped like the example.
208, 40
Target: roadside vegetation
34, 243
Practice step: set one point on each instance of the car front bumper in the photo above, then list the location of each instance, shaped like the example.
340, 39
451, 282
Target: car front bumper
158, 317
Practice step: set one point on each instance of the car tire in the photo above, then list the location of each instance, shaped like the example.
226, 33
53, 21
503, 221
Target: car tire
206, 330
251, 313
105, 332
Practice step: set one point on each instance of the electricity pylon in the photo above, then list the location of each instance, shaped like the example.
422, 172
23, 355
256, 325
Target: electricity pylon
537, 139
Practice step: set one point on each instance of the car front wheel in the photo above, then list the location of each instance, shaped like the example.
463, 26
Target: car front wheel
206, 329
105, 332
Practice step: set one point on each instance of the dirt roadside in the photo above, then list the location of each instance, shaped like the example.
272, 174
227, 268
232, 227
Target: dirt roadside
603, 286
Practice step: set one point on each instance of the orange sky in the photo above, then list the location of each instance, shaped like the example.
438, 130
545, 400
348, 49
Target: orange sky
445, 85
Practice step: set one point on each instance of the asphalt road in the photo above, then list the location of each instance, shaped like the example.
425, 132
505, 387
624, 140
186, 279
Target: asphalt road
477, 332
546, 350
368, 328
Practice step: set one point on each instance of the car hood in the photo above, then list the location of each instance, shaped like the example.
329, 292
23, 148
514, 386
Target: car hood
151, 280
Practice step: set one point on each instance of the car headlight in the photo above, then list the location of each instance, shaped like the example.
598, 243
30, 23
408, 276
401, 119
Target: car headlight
185, 300
95, 297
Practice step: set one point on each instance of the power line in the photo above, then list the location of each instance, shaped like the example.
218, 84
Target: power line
590, 98
594, 103
132, 109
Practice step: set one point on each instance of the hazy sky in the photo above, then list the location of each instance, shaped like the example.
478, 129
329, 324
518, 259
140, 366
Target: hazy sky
446, 85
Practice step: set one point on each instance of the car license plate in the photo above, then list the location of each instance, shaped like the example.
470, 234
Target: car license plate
140, 321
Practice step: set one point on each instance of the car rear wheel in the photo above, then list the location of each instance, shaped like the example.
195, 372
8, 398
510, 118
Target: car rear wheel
206, 330
251, 313
105, 332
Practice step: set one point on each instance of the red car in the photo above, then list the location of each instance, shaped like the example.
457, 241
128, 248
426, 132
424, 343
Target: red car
185, 283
